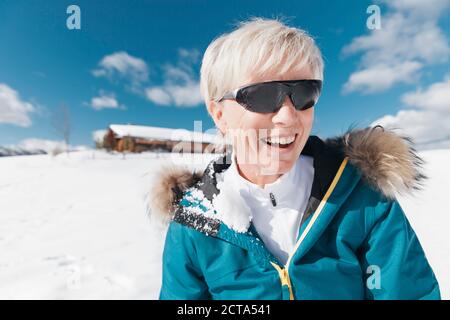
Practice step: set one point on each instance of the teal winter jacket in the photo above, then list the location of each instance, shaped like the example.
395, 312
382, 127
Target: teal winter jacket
354, 242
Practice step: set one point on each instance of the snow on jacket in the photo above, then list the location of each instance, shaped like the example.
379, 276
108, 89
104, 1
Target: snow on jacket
354, 242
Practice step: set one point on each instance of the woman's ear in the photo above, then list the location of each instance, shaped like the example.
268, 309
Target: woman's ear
215, 110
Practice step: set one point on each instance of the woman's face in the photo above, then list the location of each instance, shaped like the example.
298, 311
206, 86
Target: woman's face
248, 131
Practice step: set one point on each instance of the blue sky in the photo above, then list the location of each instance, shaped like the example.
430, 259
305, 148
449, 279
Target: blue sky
397, 76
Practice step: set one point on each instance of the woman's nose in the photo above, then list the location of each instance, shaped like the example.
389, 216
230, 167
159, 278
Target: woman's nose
286, 114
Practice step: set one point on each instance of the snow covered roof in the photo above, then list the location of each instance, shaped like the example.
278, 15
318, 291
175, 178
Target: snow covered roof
158, 133
98, 135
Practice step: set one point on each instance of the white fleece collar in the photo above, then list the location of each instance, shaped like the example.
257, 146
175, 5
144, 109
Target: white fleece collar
238, 196
280, 188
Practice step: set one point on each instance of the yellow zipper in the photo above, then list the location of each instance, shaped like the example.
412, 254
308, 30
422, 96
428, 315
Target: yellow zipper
284, 272
284, 277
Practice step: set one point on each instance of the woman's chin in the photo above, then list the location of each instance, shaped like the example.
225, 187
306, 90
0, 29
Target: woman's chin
283, 161
276, 166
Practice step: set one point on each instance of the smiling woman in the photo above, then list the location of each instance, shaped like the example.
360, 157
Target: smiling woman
284, 214
285, 69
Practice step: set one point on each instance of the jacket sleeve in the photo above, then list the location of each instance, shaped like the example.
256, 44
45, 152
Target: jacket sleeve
393, 260
181, 277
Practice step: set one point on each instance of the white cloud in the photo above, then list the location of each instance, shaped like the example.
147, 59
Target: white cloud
427, 120
409, 35
105, 101
420, 7
436, 97
159, 96
123, 65
13, 109
381, 77
190, 56
181, 87
185, 95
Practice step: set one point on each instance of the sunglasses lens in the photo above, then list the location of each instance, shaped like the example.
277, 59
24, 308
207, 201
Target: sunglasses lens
261, 98
305, 94
268, 97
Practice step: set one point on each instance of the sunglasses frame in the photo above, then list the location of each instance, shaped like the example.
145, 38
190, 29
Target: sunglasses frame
233, 95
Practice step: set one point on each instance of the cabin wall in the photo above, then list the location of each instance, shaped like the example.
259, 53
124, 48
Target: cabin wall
129, 144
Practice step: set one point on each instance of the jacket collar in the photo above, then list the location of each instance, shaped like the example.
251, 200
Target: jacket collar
197, 202
196, 209
387, 162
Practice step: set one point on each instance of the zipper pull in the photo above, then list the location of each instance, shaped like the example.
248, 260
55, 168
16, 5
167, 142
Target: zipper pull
272, 198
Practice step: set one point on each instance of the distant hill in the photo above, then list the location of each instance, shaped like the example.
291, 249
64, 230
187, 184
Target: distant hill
16, 151
34, 146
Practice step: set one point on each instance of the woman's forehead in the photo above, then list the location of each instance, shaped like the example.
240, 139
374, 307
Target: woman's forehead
303, 72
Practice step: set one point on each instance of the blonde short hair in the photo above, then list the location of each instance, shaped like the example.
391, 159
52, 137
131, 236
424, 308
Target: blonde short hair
257, 47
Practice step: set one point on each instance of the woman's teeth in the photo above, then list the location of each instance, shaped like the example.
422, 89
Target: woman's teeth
279, 141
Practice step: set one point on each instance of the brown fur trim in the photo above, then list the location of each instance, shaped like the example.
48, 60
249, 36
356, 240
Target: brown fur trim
386, 160
170, 182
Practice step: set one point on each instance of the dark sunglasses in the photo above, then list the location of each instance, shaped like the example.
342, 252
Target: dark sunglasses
268, 97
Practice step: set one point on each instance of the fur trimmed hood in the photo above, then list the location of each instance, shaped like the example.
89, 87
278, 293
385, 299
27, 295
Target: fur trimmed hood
387, 161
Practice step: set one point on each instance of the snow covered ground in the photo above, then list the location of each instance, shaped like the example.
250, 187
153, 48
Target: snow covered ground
75, 227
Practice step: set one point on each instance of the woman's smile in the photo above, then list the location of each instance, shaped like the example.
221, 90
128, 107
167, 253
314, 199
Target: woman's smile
280, 144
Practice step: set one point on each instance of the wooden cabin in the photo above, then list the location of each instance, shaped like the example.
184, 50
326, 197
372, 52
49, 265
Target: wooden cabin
134, 138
